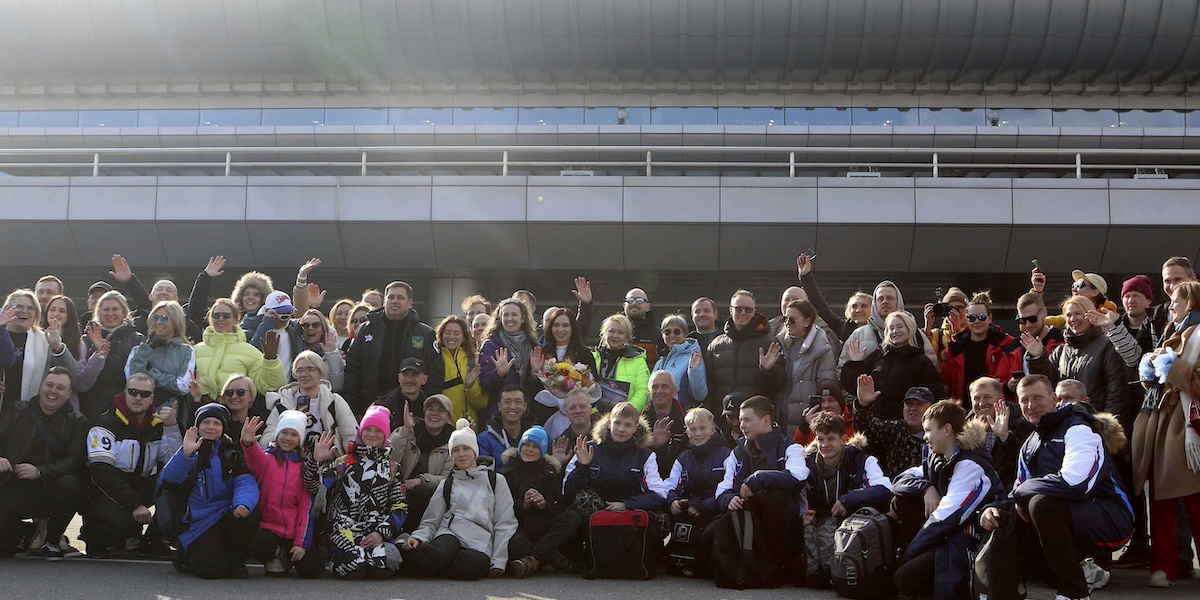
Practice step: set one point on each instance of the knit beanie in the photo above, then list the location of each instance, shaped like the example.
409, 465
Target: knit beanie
464, 436
215, 411
294, 420
377, 416
538, 436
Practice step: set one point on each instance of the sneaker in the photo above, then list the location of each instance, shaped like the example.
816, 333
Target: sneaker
1062, 597
522, 567
1186, 568
560, 563
68, 550
1095, 577
277, 567
132, 543
52, 553
1133, 558
38, 538
1158, 579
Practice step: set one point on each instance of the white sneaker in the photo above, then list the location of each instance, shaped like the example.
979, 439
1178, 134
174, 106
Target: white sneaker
1062, 597
1158, 579
1095, 576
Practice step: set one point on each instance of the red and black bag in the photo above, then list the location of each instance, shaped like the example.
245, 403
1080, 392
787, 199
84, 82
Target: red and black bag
620, 545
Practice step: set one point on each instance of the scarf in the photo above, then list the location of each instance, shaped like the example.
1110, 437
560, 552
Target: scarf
426, 441
518, 348
608, 361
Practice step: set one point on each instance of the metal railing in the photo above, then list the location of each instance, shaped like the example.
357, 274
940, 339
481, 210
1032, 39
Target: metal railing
501, 159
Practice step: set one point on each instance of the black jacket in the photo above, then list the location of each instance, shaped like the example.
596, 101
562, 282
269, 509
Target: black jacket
1090, 358
544, 475
415, 340
732, 364
894, 369
137, 296
1005, 454
676, 444
124, 462
648, 337
111, 381
21, 441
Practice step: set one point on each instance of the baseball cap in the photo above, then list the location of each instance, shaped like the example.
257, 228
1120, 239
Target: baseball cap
921, 393
278, 302
414, 364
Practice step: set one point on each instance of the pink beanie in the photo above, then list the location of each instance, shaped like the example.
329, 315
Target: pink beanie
377, 416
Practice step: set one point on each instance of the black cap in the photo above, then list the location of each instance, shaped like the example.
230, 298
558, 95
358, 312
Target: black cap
920, 393
414, 364
214, 410
101, 285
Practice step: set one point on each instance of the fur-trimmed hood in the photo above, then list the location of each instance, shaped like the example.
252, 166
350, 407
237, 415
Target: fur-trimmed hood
259, 281
857, 441
974, 435
1111, 432
510, 457
642, 437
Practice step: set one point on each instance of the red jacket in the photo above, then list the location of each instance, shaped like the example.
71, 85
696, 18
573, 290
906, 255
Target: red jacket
1003, 357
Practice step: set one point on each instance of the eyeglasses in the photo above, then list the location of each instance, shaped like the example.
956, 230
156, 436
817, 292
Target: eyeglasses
229, 393
222, 316
974, 318
789, 320
672, 331
359, 321
160, 318
632, 300
138, 393
1029, 319
20, 307
1079, 285
311, 325
742, 309
305, 370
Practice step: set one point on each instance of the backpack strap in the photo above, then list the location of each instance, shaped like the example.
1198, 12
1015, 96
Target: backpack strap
449, 480
52, 443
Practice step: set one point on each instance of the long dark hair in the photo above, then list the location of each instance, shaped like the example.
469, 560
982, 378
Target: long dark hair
575, 348
71, 334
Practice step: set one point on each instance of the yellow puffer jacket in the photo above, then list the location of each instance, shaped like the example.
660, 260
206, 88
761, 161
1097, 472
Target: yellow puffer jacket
223, 354
465, 401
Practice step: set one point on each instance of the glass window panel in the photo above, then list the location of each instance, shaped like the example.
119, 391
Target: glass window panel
485, 116
49, 118
1076, 117
1193, 118
356, 116
1150, 118
230, 117
683, 116
972, 117
108, 118
421, 116
609, 115
293, 116
750, 116
551, 116
888, 117
168, 118
1023, 117
9, 119
826, 117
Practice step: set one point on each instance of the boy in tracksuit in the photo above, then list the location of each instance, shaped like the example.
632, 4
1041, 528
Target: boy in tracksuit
692, 484
954, 480
842, 478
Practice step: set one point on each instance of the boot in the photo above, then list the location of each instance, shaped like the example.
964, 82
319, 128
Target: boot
522, 567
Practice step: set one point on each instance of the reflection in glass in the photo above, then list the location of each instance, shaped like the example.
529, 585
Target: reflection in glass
1150, 118
820, 117
356, 116
485, 116
108, 118
971, 117
293, 116
230, 117
1084, 118
749, 116
49, 118
1021, 117
551, 116
1193, 118
888, 117
610, 115
168, 118
420, 116
683, 116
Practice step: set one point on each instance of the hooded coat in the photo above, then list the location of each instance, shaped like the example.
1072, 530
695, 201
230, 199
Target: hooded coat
225, 485
631, 369
871, 335
807, 363
1002, 360
414, 339
223, 354
102, 377
697, 473
620, 471
331, 408
170, 363
365, 497
544, 475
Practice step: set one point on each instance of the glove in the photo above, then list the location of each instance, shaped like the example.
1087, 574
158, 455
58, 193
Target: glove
1192, 443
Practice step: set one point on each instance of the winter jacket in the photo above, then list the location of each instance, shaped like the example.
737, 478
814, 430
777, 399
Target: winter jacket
138, 296
1090, 358
732, 364
365, 497
677, 442
544, 475
771, 462
492, 382
840, 325
99, 378
170, 363
414, 340
122, 458
37, 359
631, 369
1159, 434
406, 453
223, 354
479, 517
697, 473
225, 485
620, 472
807, 363
859, 482
20, 441
1060, 321
966, 482
690, 382
894, 369
648, 337
1004, 454
330, 408
1002, 359
466, 401
493, 440
870, 336
283, 500
335, 365
890, 440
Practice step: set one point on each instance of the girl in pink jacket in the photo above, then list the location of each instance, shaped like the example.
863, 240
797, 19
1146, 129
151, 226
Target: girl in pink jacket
284, 536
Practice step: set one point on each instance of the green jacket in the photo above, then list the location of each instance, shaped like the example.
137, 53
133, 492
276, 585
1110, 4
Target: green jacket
223, 354
632, 369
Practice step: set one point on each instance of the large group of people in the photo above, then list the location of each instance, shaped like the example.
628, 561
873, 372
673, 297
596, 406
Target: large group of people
365, 443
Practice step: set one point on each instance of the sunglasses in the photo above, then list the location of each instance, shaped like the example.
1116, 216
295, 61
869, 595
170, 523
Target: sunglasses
229, 393
672, 331
160, 318
311, 325
359, 321
222, 315
974, 318
742, 309
1079, 285
138, 393
789, 320
1029, 319
632, 300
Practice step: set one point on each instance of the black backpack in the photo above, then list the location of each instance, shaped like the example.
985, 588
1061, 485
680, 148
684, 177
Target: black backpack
742, 558
864, 556
686, 554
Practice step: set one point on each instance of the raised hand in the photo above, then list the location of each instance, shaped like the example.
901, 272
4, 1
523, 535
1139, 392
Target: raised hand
473, 375
583, 290
120, 271
503, 362
1037, 279
561, 450
767, 359
216, 266
166, 414
54, 335
270, 345
811, 413
191, 442
98, 339
330, 343
583, 452
408, 418
696, 359
315, 295
6, 315
1000, 424
1102, 318
855, 350
866, 390
803, 265
194, 390
250, 430
930, 318
1033, 345
307, 268
662, 431
955, 320
323, 448
537, 360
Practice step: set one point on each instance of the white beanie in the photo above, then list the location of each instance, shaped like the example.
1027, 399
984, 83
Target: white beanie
294, 420
464, 436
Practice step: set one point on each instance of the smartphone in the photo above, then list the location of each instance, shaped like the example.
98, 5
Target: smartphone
1036, 268
1018, 375
302, 403
815, 401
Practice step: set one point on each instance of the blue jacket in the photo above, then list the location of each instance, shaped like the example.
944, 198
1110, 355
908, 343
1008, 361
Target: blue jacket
223, 486
691, 383
776, 464
620, 472
697, 473
860, 481
493, 441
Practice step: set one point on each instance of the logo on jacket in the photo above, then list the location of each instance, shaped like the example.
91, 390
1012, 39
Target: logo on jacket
368, 337
418, 342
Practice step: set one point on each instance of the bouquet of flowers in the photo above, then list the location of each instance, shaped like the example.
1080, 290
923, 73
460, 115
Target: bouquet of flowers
562, 377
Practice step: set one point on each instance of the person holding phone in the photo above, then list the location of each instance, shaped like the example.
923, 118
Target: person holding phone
311, 394
832, 400
808, 358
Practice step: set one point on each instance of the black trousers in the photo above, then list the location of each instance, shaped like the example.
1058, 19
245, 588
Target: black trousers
541, 537
418, 501
56, 500
446, 557
264, 545
221, 549
107, 524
